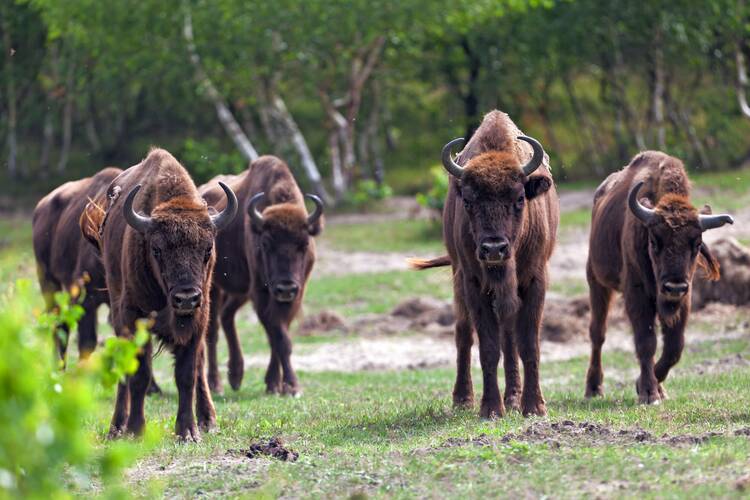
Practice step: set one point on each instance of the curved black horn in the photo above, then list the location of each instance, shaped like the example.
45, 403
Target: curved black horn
137, 221
714, 221
223, 219
451, 166
538, 157
313, 217
642, 213
252, 208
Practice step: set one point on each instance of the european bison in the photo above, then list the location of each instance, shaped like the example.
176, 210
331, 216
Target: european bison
499, 225
646, 243
158, 253
265, 257
65, 260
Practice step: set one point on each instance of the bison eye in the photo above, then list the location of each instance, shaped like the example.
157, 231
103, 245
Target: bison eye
519, 202
655, 243
207, 256
156, 252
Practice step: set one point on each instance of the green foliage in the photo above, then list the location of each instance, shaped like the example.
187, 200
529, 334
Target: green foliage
366, 192
206, 158
45, 442
434, 198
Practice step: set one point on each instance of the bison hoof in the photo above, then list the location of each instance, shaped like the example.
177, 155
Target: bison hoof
116, 432
647, 396
216, 386
513, 401
463, 401
594, 392
207, 424
537, 408
273, 388
492, 410
663, 392
188, 434
291, 390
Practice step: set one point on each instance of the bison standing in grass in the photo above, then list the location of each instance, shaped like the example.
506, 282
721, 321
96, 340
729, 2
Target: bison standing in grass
264, 257
158, 252
499, 225
65, 260
646, 243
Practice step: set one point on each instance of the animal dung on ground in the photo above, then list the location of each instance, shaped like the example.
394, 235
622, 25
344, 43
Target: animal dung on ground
274, 448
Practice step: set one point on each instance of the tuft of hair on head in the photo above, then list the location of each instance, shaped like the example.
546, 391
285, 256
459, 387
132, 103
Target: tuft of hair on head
421, 264
709, 264
92, 220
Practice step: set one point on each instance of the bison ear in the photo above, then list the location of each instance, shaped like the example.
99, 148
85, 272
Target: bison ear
708, 263
537, 185
646, 203
316, 227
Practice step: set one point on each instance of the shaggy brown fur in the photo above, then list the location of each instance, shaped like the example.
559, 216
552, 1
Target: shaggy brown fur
642, 261
65, 260
502, 302
146, 271
252, 260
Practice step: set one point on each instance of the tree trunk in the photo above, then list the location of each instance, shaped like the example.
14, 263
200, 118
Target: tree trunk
337, 174
591, 147
471, 98
67, 119
10, 89
659, 89
300, 144
742, 81
226, 118
48, 137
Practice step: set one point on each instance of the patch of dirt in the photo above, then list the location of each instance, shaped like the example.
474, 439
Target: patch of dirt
322, 322
743, 483
725, 364
575, 434
274, 449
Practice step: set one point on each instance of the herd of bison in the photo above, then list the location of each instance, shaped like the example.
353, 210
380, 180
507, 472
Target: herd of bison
151, 244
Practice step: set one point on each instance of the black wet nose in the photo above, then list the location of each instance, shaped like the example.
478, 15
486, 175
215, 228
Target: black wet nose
495, 248
186, 298
286, 289
675, 287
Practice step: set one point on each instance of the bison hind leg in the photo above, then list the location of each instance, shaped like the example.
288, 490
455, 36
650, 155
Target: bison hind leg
600, 298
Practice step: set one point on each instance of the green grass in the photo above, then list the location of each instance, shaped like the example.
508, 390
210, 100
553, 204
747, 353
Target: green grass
407, 235
384, 434
727, 191
16, 254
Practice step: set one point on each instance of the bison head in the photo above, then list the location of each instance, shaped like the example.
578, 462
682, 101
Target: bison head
495, 188
179, 238
282, 235
675, 245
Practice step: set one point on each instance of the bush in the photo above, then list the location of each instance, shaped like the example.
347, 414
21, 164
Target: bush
434, 198
206, 158
368, 191
43, 410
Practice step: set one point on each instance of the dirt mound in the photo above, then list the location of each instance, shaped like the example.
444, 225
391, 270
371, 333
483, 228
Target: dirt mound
734, 285
274, 449
322, 322
565, 319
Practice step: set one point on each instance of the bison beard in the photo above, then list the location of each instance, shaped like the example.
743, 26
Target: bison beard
160, 265
265, 257
646, 243
499, 226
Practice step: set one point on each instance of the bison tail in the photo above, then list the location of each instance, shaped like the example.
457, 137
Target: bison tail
420, 264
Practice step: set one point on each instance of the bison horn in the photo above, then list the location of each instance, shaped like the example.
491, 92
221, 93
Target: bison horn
714, 221
252, 208
137, 221
223, 219
538, 157
451, 166
642, 213
313, 218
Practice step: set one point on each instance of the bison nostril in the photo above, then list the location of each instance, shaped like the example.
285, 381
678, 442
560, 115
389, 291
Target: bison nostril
286, 289
495, 248
675, 288
187, 299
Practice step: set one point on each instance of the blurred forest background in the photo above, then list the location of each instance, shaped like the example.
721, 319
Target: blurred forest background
359, 95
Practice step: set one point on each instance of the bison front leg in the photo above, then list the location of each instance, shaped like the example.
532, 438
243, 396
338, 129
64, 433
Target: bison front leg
236, 360
281, 350
641, 313
488, 330
528, 323
463, 390
204, 405
212, 341
122, 409
673, 334
185, 377
600, 298
138, 385
87, 326
512, 374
